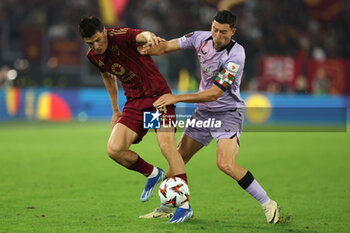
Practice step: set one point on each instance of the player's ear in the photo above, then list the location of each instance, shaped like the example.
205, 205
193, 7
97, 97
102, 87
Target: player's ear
233, 31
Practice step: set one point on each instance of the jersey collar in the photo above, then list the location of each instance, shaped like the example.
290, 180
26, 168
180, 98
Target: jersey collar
227, 47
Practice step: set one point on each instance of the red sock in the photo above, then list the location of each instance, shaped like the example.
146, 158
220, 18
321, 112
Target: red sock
183, 176
142, 167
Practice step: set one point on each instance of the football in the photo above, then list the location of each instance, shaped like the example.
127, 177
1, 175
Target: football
173, 192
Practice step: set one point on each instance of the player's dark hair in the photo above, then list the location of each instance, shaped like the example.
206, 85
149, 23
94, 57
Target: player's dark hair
225, 17
88, 26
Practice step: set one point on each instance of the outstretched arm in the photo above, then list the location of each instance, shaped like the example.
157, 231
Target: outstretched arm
148, 39
159, 49
209, 95
222, 82
110, 82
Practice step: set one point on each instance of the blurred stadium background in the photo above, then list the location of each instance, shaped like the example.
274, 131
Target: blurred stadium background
297, 52
55, 175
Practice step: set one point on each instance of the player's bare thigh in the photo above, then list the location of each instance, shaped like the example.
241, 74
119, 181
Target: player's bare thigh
187, 147
121, 138
227, 151
166, 138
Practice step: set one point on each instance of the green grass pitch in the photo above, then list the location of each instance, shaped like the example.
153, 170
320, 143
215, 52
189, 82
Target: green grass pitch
58, 178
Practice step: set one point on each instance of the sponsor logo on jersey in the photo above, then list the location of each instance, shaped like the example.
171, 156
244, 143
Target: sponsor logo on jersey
208, 71
126, 78
118, 69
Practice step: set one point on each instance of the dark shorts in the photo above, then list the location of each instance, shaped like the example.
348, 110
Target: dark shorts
132, 115
231, 126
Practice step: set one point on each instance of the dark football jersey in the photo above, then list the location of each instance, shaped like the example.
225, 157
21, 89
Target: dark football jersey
138, 74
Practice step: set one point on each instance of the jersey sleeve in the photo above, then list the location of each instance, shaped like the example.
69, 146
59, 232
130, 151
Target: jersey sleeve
131, 35
188, 41
125, 36
228, 75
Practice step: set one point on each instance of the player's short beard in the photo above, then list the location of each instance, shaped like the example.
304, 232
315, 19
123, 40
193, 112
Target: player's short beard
218, 45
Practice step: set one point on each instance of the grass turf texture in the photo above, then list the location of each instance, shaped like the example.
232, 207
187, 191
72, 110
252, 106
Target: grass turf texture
58, 178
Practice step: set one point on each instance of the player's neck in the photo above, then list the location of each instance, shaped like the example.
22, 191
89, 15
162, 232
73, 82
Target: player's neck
221, 48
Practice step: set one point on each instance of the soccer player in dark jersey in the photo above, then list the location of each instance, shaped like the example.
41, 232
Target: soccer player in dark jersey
115, 53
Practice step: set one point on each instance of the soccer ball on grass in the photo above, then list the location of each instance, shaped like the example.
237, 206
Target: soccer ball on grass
173, 192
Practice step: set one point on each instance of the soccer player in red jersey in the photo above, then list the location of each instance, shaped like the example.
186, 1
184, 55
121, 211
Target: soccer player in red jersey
115, 53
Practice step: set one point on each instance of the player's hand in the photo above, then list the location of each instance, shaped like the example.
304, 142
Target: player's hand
115, 117
143, 50
151, 41
164, 100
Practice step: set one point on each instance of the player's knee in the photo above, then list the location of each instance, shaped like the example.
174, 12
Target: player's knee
165, 148
225, 166
114, 152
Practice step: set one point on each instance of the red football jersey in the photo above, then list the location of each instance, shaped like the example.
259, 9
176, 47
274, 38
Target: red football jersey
138, 74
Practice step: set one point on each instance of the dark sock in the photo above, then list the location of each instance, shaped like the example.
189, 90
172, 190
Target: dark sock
142, 167
183, 176
247, 179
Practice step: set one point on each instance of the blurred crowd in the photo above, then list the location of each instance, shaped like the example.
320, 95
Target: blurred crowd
57, 18
281, 27
272, 27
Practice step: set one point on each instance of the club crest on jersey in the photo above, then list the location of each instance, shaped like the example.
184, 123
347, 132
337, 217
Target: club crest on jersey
115, 50
117, 69
233, 68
